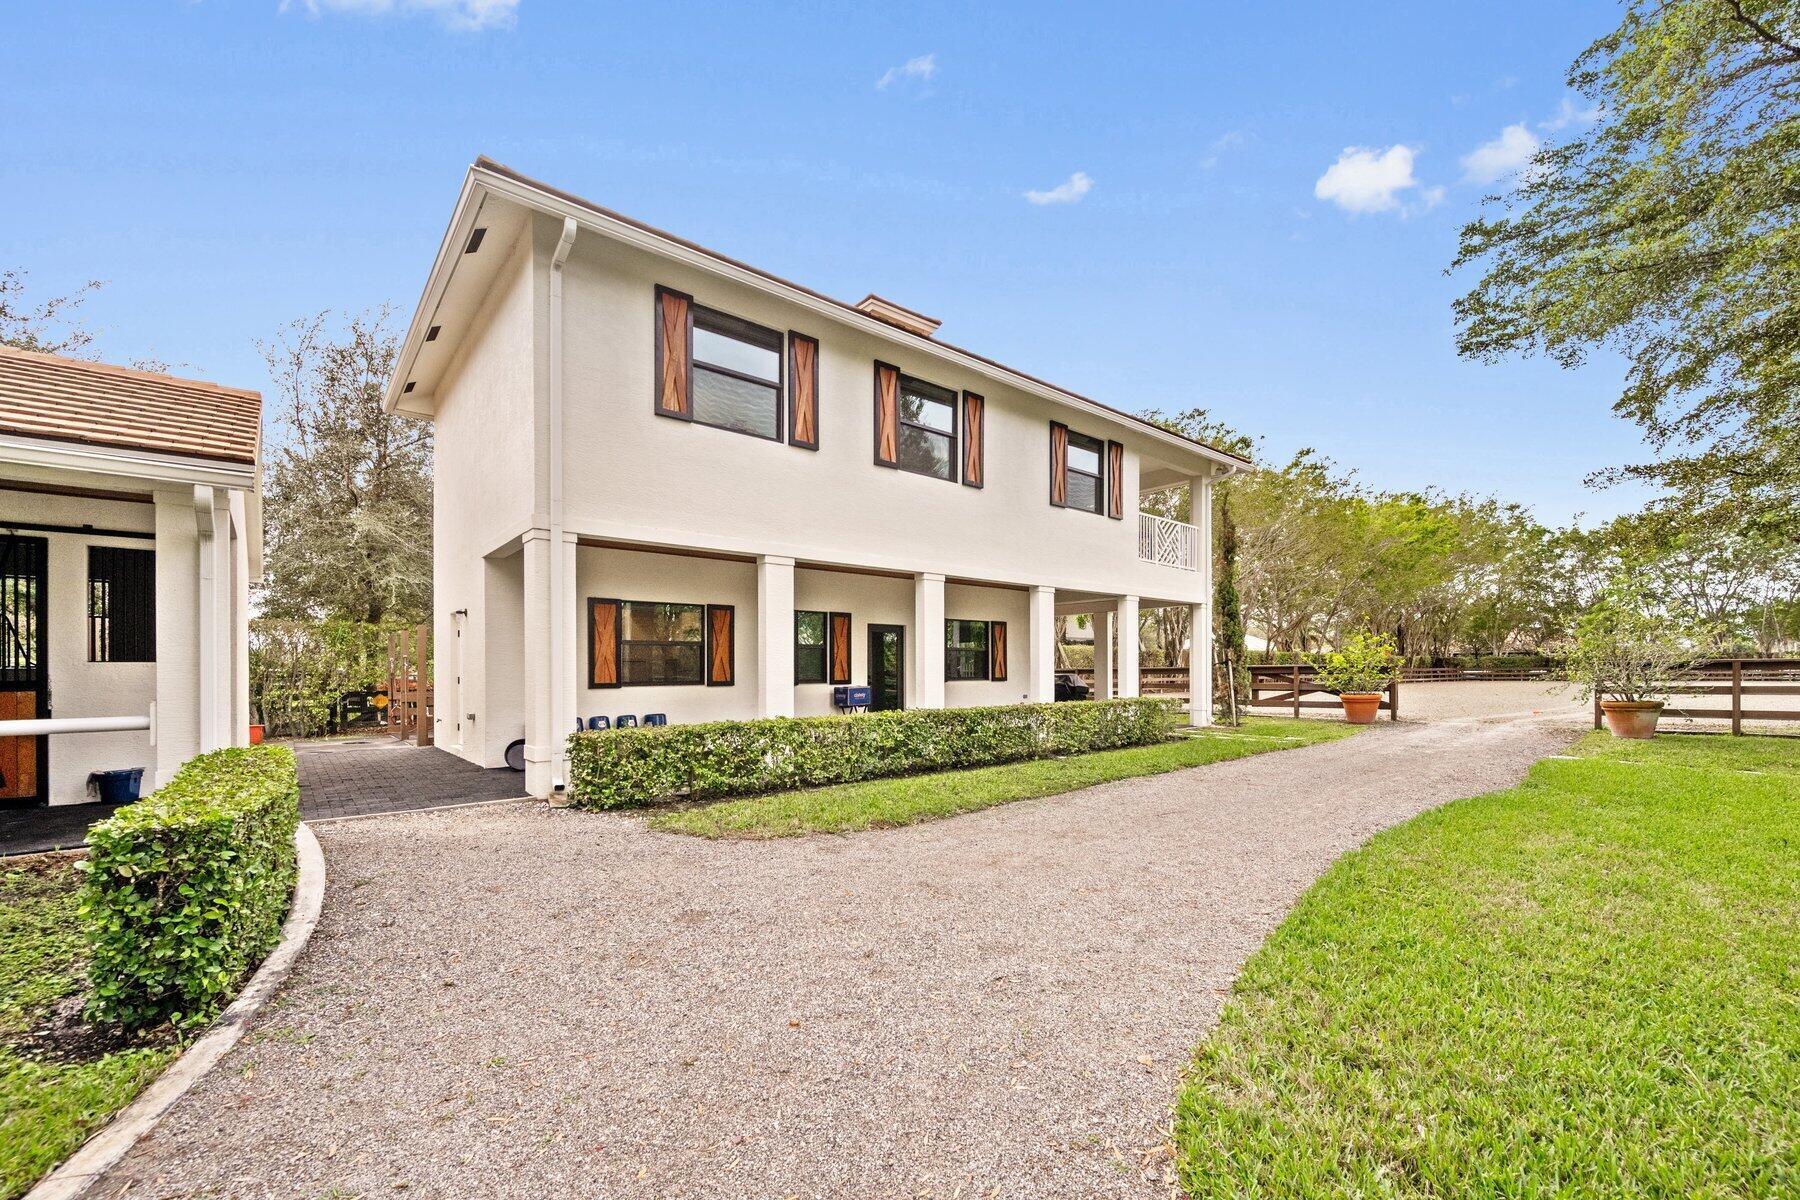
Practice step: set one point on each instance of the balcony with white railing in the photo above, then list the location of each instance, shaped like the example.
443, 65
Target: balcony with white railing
1165, 542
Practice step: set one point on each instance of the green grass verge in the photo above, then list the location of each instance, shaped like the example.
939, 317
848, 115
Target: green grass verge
1583, 986
49, 1104
887, 803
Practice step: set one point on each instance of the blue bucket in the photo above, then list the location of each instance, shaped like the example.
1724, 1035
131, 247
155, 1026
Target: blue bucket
117, 787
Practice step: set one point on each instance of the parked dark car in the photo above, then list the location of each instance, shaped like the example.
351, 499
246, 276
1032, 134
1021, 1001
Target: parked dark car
1070, 687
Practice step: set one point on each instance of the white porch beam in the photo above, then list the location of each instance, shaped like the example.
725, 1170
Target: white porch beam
1103, 655
775, 636
1043, 645
927, 684
1128, 646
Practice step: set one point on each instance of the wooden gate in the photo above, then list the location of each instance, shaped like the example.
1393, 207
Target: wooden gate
1276, 686
24, 670
409, 708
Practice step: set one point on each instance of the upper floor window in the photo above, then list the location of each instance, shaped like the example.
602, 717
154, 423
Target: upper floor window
927, 428
1083, 475
737, 374
121, 605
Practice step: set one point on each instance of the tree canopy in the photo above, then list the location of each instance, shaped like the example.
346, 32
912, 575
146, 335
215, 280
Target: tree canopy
1666, 233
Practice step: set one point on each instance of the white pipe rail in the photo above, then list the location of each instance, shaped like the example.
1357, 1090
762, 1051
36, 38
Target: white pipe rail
44, 725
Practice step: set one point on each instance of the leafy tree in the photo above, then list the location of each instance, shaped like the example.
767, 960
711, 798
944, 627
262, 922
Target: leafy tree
1228, 610
348, 488
45, 328
1668, 233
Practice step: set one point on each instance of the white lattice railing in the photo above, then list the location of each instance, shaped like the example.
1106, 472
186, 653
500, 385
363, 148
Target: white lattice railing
1167, 542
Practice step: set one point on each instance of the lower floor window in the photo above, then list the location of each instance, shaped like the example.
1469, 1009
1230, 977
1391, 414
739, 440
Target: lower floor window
662, 643
965, 650
809, 647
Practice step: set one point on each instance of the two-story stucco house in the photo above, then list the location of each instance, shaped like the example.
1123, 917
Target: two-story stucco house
668, 482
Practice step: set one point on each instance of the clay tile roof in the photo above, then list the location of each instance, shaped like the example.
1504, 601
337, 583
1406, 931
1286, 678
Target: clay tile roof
68, 400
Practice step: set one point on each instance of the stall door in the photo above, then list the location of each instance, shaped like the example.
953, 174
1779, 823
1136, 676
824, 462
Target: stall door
24, 683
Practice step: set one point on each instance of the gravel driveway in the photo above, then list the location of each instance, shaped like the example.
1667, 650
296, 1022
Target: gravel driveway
514, 1001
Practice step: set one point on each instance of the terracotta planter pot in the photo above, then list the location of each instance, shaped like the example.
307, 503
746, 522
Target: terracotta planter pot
1632, 718
1360, 707
256, 735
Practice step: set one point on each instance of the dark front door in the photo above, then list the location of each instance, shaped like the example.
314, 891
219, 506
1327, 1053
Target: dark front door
24, 681
887, 667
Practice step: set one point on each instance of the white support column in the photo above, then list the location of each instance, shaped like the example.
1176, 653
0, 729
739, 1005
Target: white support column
1128, 646
1200, 665
1200, 616
926, 688
541, 732
214, 532
177, 732
775, 636
239, 633
1103, 654
1043, 645
567, 665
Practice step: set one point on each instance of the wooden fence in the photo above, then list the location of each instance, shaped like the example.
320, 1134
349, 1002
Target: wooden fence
1287, 686
1742, 679
409, 702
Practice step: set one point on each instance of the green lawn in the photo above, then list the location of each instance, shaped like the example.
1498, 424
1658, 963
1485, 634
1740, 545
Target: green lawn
886, 803
51, 1100
1588, 985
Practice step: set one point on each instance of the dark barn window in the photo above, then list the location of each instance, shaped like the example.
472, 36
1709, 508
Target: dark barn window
927, 428
809, 647
662, 643
966, 650
121, 605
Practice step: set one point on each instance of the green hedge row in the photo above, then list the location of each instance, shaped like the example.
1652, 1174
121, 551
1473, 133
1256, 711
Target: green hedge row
187, 889
608, 769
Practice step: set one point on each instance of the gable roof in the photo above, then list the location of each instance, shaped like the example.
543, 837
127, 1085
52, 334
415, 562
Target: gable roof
96, 404
486, 174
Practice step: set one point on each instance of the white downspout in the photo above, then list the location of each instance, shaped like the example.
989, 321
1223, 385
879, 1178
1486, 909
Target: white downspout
559, 667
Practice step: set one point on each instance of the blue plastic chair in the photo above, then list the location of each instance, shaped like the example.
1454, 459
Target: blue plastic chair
626, 721
599, 723
656, 718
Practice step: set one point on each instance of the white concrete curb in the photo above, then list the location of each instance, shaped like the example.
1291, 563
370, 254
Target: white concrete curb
102, 1151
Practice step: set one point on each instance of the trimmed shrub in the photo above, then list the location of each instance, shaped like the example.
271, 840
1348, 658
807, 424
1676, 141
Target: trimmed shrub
187, 889
613, 768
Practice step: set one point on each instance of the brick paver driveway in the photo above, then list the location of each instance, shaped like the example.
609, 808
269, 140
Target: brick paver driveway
360, 776
518, 1001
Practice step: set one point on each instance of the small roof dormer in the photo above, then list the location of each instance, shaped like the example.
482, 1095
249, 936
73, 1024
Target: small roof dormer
898, 317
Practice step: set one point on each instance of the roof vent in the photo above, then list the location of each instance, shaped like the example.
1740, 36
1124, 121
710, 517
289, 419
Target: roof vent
475, 240
900, 318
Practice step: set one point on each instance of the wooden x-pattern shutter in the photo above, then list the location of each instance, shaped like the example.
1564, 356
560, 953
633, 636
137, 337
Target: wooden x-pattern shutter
1059, 464
887, 415
721, 662
674, 354
803, 391
603, 643
997, 651
974, 411
1115, 481
839, 642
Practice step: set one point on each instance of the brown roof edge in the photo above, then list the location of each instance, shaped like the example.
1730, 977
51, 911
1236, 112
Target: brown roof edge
104, 368
484, 163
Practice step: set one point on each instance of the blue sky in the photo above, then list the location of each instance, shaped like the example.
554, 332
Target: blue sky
1242, 207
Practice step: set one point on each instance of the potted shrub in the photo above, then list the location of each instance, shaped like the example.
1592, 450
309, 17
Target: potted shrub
1359, 673
1628, 655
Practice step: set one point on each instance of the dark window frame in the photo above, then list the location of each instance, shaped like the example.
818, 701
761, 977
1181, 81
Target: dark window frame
704, 644
953, 652
824, 646
113, 635
931, 392
724, 324
1098, 446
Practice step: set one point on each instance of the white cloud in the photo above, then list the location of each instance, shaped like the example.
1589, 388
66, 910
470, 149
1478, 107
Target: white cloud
465, 16
1363, 180
1502, 158
1067, 192
922, 68
1230, 140
1567, 114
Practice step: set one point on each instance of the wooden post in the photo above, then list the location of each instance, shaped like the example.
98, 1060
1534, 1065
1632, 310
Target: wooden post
1296, 689
422, 687
1597, 721
392, 692
1394, 698
1737, 697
